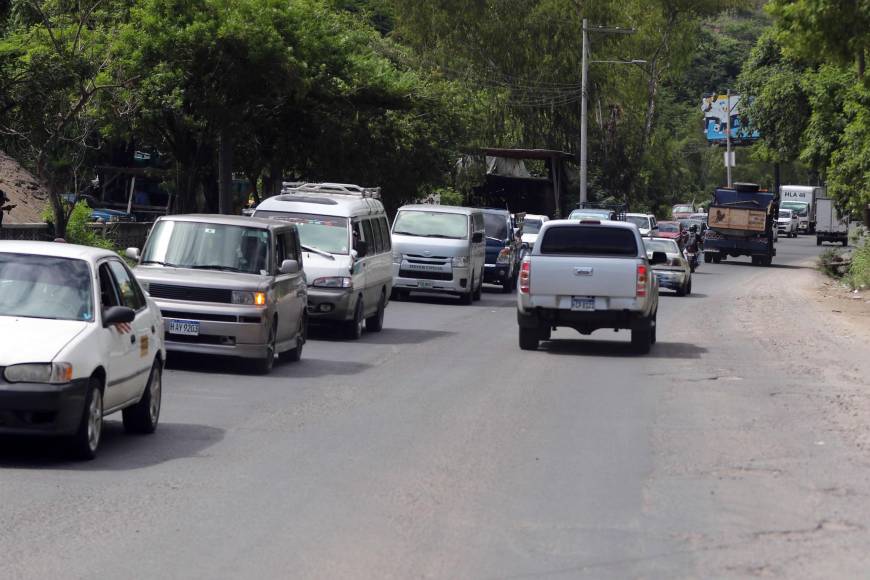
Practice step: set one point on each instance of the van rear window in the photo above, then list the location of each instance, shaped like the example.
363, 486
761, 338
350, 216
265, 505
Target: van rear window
589, 241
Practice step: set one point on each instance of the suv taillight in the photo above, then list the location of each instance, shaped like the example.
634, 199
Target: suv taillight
525, 275
641, 280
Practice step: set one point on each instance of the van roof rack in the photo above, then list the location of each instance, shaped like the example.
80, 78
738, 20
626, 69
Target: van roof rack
335, 188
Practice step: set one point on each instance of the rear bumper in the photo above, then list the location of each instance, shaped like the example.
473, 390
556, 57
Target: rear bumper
39, 409
496, 273
583, 322
739, 247
671, 279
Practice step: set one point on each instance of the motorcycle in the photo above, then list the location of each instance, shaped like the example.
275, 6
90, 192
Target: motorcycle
692, 257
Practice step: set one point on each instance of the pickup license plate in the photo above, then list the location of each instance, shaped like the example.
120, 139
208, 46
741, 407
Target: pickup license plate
185, 327
582, 303
424, 284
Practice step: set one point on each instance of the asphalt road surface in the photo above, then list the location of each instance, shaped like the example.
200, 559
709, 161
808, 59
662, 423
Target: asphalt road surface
438, 449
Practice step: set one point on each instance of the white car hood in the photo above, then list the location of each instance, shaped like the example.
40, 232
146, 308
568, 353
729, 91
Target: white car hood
530, 238
317, 266
33, 340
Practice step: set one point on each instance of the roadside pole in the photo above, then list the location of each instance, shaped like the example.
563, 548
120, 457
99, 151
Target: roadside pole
584, 74
728, 136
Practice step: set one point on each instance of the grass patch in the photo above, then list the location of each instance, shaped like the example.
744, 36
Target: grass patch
859, 272
832, 264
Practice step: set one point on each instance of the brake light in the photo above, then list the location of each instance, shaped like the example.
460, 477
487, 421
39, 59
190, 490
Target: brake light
641, 280
525, 276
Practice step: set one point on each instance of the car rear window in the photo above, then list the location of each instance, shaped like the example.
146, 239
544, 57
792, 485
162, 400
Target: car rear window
589, 240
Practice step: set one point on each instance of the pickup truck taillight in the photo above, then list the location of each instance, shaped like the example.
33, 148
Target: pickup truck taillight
525, 275
641, 280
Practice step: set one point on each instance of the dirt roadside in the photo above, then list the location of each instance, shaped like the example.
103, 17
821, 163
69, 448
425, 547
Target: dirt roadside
24, 191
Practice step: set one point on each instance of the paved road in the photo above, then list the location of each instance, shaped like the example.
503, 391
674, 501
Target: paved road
438, 449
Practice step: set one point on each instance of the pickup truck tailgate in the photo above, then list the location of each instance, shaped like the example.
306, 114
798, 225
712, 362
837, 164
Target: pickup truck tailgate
583, 276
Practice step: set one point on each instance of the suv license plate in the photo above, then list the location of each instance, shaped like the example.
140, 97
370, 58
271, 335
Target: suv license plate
582, 303
185, 327
424, 284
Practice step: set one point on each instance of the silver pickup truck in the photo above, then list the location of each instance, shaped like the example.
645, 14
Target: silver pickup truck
588, 275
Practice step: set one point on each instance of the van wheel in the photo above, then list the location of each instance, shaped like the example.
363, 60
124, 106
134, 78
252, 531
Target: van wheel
144, 415
478, 290
641, 338
376, 323
355, 326
467, 298
264, 365
86, 441
528, 338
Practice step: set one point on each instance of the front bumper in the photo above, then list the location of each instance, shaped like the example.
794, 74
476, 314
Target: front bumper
224, 329
496, 273
40, 409
459, 283
337, 304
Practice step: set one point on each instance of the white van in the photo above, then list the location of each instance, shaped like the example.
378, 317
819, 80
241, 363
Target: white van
439, 248
345, 238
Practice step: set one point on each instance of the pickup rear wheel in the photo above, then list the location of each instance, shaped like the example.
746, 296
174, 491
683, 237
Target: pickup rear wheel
529, 338
641, 338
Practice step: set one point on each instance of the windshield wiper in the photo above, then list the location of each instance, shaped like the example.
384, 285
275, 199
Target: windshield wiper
318, 251
215, 267
409, 234
160, 263
499, 240
441, 236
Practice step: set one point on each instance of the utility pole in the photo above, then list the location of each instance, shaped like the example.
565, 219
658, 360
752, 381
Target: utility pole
728, 136
584, 89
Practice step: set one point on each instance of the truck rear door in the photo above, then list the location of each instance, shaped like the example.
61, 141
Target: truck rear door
585, 260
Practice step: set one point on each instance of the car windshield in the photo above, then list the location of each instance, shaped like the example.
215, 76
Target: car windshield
320, 232
799, 208
683, 209
594, 214
642, 222
666, 246
431, 224
669, 227
532, 226
785, 214
496, 225
689, 223
45, 287
208, 246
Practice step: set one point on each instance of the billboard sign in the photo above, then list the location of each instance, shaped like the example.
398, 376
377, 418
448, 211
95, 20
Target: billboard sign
716, 112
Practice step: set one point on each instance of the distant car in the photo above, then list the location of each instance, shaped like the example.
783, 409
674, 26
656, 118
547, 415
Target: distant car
79, 339
645, 222
502, 263
675, 274
99, 213
674, 231
591, 213
787, 222
531, 227
701, 225
702, 217
682, 210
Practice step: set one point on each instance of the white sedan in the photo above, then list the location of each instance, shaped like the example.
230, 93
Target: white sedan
78, 340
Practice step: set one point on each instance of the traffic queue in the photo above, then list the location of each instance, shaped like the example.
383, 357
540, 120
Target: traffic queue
84, 334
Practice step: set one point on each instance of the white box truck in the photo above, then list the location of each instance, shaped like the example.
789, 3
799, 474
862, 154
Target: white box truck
801, 200
830, 226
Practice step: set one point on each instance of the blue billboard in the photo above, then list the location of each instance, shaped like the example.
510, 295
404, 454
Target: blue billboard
717, 109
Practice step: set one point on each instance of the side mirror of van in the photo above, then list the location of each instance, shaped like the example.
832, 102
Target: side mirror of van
361, 248
289, 267
477, 238
132, 253
658, 258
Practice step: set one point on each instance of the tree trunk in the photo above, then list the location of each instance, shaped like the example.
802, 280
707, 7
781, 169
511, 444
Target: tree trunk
225, 173
60, 214
861, 63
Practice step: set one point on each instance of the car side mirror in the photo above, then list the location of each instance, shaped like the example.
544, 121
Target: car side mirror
289, 267
362, 248
659, 258
118, 315
132, 253
477, 238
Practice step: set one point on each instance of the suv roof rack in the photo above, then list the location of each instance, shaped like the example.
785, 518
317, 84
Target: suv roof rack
336, 188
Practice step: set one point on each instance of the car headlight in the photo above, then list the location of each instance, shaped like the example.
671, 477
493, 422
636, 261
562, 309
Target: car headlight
146, 286
397, 258
333, 282
249, 298
54, 373
504, 256
460, 261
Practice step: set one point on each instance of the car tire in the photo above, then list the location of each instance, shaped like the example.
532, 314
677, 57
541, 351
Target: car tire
689, 287
529, 338
654, 328
295, 353
86, 441
467, 297
143, 416
376, 323
354, 328
818, 241
641, 338
845, 243
681, 291
708, 258
478, 291
717, 259
264, 365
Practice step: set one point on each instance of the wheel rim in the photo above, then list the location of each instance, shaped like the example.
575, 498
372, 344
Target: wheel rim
156, 394
95, 419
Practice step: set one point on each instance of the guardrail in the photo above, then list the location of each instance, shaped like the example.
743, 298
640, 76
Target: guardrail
122, 234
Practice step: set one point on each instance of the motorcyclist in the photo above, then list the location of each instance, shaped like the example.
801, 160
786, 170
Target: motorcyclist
693, 241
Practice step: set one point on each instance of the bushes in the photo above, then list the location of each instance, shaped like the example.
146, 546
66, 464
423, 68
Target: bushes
77, 229
831, 263
859, 272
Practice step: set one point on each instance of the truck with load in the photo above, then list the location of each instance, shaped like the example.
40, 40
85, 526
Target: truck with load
801, 199
588, 274
830, 226
741, 222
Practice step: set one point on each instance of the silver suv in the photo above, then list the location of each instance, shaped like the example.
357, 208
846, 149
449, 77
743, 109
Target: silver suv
227, 285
